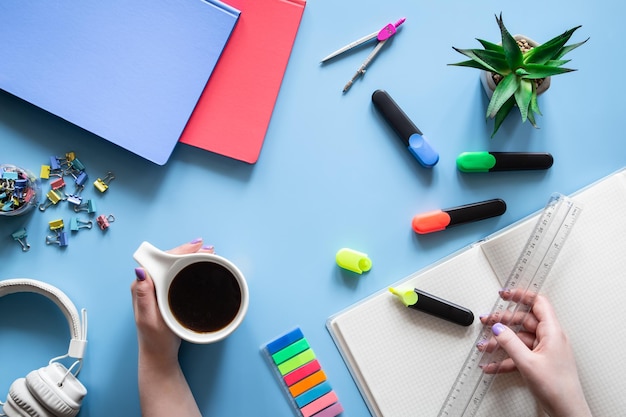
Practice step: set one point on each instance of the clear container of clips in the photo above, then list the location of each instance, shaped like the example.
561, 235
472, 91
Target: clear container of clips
19, 190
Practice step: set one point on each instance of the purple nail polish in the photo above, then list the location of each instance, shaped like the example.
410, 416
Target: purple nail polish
497, 328
208, 248
141, 274
196, 240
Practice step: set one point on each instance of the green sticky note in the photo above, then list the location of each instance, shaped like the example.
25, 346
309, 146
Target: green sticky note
290, 351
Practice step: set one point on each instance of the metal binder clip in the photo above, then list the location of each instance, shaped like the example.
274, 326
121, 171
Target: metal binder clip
57, 184
61, 239
20, 236
80, 179
102, 184
89, 206
76, 165
44, 172
53, 198
74, 199
70, 156
382, 36
56, 225
55, 164
76, 224
104, 221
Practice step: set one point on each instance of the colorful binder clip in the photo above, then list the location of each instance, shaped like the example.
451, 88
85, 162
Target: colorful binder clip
80, 179
55, 164
76, 224
102, 184
10, 175
104, 221
70, 156
44, 172
89, 206
61, 239
53, 198
74, 199
57, 184
76, 165
20, 237
56, 225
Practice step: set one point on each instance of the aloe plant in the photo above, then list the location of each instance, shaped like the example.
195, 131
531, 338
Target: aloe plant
520, 71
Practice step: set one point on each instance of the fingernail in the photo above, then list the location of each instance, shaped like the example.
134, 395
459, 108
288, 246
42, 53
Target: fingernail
209, 248
483, 316
196, 240
480, 345
504, 291
141, 274
497, 328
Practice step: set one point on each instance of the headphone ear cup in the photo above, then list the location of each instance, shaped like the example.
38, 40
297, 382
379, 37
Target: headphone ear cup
21, 403
62, 399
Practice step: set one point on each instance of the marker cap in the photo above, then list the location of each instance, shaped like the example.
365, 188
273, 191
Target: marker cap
353, 260
475, 162
422, 151
431, 221
408, 298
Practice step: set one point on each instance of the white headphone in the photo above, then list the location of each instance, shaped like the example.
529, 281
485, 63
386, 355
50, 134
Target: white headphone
54, 390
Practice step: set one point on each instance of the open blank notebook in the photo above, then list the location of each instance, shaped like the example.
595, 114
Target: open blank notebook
405, 362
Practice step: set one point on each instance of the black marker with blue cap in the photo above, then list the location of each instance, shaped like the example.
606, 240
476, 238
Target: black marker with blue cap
412, 137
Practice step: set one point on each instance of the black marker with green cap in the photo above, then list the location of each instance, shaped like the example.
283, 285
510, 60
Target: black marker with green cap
438, 307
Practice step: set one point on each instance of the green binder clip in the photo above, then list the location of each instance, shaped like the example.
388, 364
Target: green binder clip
20, 237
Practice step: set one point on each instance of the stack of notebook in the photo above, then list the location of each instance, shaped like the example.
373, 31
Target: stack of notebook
146, 74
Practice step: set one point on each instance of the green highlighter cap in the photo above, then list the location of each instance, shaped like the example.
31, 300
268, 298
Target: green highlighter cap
475, 161
408, 298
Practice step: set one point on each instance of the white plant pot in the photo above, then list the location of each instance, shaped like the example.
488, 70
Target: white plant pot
486, 77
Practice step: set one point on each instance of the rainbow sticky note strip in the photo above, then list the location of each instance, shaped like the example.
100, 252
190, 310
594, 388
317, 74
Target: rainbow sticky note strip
301, 376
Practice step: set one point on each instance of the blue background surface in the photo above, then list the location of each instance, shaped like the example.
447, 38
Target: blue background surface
332, 174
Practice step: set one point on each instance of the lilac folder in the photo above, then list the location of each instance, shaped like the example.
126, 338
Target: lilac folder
130, 71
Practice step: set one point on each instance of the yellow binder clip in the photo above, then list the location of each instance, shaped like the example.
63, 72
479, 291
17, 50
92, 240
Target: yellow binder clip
56, 224
102, 184
53, 198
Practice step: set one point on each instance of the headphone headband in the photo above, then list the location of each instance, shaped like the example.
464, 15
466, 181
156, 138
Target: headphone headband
78, 329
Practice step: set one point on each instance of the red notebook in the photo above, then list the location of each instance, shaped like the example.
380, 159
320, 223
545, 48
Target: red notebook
234, 111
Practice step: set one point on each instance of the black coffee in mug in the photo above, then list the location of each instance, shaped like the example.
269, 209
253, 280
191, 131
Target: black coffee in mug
204, 297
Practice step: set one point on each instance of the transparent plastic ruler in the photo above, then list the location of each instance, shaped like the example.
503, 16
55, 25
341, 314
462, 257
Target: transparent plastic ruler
529, 273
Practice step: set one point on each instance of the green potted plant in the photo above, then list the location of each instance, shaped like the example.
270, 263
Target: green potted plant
519, 69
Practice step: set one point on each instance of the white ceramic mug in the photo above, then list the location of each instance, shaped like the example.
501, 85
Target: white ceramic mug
169, 272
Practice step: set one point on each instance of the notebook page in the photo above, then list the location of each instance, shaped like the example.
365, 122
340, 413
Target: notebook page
405, 361
586, 286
